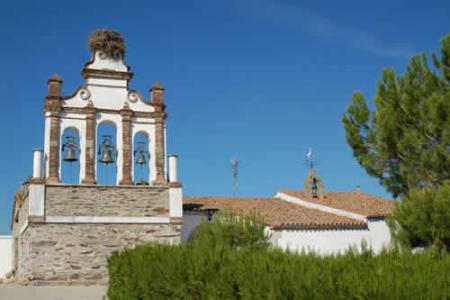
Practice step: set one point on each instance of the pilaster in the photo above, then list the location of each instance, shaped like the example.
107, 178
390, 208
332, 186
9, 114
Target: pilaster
90, 112
157, 100
53, 107
126, 114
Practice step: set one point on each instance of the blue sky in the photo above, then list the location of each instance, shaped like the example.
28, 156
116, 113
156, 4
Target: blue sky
260, 80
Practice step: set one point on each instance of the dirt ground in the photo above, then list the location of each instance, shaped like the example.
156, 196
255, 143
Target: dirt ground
18, 292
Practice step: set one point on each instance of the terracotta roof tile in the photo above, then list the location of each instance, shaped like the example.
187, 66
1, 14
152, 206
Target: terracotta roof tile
356, 202
277, 213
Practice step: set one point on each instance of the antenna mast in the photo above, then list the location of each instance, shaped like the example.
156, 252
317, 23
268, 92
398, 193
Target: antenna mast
234, 175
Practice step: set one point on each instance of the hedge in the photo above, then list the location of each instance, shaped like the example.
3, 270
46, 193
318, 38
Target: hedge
199, 272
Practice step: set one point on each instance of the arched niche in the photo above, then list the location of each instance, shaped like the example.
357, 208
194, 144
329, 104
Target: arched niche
106, 153
141, 158
70, 156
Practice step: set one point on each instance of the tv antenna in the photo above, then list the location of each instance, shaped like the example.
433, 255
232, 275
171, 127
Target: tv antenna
234, 175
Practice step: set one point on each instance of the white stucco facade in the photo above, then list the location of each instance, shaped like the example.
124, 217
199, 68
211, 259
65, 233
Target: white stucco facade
108, 96
315, 227
6, 255
333, 241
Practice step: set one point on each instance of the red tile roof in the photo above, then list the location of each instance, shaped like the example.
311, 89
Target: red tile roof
277, 213
356, 202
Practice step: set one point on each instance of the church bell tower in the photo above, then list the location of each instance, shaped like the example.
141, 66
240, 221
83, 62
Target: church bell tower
102, 182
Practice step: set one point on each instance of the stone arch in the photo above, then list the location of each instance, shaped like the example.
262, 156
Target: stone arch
70, 157
141, 143
313, 184
106, 135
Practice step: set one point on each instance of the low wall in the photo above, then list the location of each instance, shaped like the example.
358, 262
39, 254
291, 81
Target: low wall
6, 242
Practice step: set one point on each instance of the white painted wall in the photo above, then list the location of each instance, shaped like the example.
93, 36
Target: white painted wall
108, 93
100, 61
190, 221
111, 94
327, 242
36, 200
176, 202
6, 254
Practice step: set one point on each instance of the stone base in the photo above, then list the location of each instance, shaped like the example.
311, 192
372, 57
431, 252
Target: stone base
73, 254
69, 238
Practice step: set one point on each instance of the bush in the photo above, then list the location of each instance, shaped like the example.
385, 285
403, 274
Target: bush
220, 264
422, 218
191, 272
230, 229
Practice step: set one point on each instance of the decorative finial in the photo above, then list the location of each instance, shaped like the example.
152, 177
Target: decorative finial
54, 86
157, 95
55, 77
90, 104
109, 42
157, 86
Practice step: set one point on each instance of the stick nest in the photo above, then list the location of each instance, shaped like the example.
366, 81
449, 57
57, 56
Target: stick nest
109, 42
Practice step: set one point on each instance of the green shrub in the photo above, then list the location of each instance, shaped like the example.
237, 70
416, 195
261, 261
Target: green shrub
422, 218
222, 265
231, 229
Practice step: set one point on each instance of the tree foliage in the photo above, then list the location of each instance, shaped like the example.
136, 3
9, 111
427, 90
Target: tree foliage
422, 219
405, 142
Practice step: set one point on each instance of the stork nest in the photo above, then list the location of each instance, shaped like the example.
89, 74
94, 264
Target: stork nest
109, 42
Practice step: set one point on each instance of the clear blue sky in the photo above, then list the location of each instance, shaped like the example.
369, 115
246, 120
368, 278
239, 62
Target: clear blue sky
260, 80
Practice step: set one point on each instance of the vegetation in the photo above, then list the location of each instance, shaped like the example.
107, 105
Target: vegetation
423, 218
405, 142
232, 230
219, 264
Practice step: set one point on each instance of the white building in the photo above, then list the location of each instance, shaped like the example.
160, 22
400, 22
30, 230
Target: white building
309, 220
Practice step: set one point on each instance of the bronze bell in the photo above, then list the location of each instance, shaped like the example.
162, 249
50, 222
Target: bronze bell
70, 146
70, 155
106, 150
140, 154
106, 156
140, 160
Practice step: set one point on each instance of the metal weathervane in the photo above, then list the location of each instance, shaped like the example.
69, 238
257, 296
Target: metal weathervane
234, 175
309, 158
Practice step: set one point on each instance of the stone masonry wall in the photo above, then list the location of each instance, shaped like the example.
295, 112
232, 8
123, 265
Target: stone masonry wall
77, 253
79, 200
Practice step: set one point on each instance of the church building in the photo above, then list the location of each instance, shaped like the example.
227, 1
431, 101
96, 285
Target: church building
104, 182
101, 181
311, 220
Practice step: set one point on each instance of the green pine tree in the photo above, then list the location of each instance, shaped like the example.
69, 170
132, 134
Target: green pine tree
405, 142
